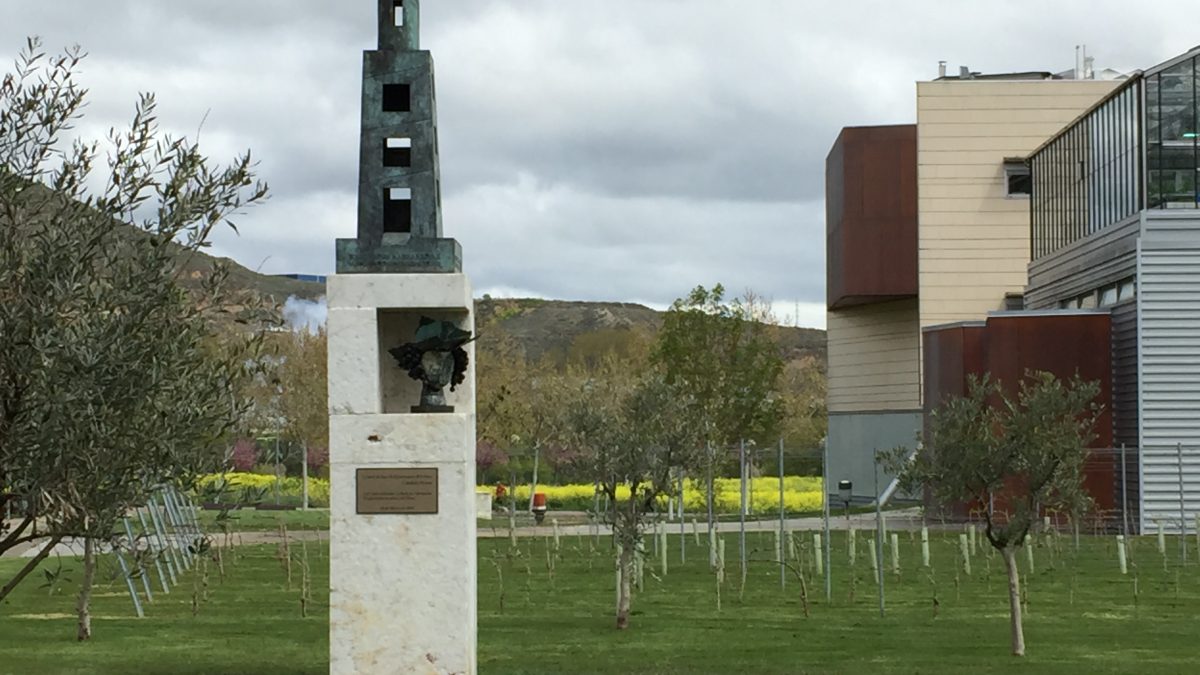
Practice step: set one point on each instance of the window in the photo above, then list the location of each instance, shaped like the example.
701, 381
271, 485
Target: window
1126, 289
1017, 180
1108, 295
1173, 144
1105, 296
397, 210
397, 98
397, 152
398, 12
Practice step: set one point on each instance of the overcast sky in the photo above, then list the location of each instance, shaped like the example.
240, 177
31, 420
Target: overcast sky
617, 150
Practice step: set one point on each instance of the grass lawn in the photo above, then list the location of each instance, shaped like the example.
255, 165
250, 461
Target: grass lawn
1082, 617
251, 622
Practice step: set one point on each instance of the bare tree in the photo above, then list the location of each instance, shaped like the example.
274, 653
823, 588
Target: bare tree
303, 400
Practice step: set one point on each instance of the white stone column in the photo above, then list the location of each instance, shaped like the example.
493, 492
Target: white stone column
402, 586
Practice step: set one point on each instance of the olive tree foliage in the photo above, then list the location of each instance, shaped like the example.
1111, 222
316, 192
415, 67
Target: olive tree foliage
114, 377
1011, 454
635, 433
724, 365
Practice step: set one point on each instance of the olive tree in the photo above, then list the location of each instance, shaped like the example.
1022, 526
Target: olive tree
633, 432
1025, 450
116, 377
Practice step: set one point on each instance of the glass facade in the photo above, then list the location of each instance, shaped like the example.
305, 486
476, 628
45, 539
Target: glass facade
1089, 176
1138, 148
1171, 137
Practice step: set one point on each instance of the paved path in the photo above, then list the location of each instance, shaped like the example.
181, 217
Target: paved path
72, 547
905, 519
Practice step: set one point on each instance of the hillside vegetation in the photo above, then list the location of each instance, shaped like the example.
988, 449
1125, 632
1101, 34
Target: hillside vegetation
556, 327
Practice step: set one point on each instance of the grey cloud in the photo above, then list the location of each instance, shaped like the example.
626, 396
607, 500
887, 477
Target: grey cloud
619, 150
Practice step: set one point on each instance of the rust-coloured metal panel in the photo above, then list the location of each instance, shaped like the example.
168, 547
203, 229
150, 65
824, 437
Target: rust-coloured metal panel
1008, 347
1065, 345
952, 355
871, 215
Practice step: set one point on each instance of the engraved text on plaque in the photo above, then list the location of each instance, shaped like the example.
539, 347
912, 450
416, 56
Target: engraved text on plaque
397, 491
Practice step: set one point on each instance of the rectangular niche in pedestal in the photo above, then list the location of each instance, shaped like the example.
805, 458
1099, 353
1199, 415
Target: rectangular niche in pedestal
399, 391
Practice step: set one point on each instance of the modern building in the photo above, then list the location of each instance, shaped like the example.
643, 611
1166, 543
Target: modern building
1116, 226
927, 224
1057, 228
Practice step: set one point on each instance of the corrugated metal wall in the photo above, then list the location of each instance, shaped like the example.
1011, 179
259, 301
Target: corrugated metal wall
1169, 378
1125, 401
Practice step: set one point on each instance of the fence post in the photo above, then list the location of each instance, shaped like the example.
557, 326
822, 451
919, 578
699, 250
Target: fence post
1124, 496
878, 552
137, 603
708, 477
682, 522
742, 520
161, 553
782, 557
141, 568
828, 544
172, 543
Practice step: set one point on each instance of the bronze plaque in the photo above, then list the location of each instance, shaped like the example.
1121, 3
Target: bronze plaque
397, 491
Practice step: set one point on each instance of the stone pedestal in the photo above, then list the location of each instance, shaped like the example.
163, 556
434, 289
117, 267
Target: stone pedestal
402, 585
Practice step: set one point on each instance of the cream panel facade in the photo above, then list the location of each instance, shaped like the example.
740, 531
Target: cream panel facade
973, 240
873, 357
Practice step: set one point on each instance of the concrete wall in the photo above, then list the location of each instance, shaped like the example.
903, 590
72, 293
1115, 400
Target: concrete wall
973, 241
853, 439
873, 357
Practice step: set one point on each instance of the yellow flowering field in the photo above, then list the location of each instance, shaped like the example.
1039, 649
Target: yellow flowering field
800, 493
318, 488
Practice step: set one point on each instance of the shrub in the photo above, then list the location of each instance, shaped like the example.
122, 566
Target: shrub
244, 455
289, 488
801, 494
488, 457
318, 458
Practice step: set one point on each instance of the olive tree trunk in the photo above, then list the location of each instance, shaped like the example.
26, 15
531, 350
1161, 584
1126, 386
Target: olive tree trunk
84, 607
1014, 599
537, 455
624, 600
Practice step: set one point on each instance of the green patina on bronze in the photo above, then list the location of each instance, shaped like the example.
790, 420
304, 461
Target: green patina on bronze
398, 157
435, 358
